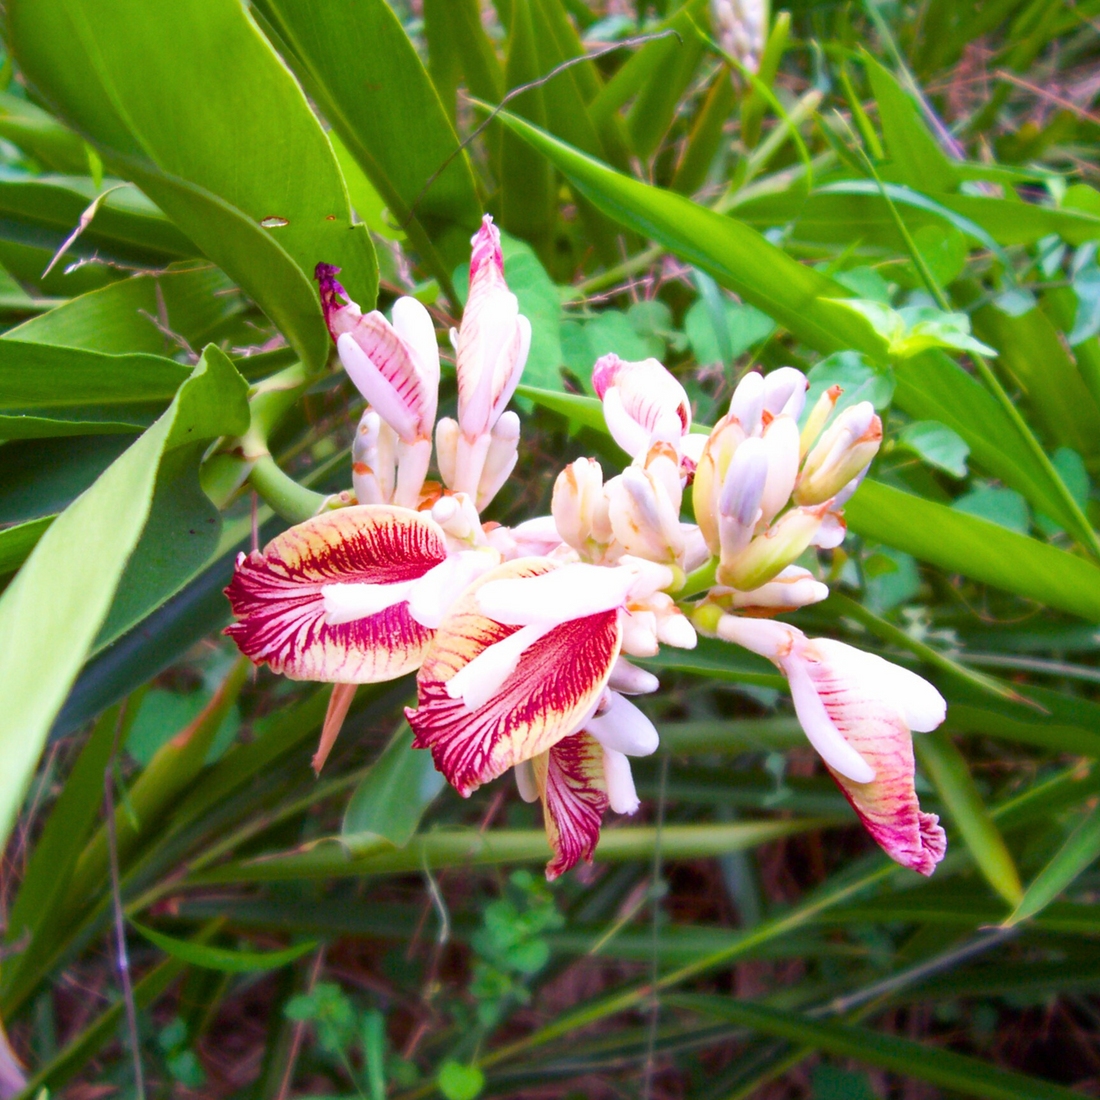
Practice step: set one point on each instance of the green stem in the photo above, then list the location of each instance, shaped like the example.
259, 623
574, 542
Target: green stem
699, 580
285, 496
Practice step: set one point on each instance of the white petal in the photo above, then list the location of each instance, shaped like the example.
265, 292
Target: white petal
748, 402
624, 728
632, 680
831, 532
413, 323
919, 703
476, 683
785, 392
621, 793
375, 387
764, 636
572, 591
625, 430
640, 634
344, 603
432, 595
676, 630
819, 727
524, 772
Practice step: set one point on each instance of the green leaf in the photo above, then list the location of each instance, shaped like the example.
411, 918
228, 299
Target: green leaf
914, 151
858, 380
393, 123
52, 611
460, 1082
735, 255
128, 316
392, 797
241, 165
220, 958
1005, 507
976, 548
17, 542
1080, 851
744, 327
937, 445
951, 777
38, 133
956, 1072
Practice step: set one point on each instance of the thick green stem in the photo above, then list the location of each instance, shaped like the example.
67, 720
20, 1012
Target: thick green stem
285, 496
699, 580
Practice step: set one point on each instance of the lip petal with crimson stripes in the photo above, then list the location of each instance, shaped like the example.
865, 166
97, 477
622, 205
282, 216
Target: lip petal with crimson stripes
366, 557
573, 789
534, 684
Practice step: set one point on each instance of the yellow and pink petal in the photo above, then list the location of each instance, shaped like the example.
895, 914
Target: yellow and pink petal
491, 695
363, 558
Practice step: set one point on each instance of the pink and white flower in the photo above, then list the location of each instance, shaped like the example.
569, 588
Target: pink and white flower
643, 403
857, 711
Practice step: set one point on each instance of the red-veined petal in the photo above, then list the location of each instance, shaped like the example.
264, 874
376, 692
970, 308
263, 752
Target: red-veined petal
279, 603
571, 783
551, 689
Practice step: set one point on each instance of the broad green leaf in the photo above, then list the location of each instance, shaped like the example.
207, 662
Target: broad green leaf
951, 777
17, 542
1005, 507
51, 612
737, 256
937, 445
192, 104
744, 327
913, 149
586, 411
528, 208
46, 390
976, 548
126, 225
228, 961
858, 380
393, 123
390, 801
1080, 851
132, 315
956, 1072
39, 134
1035, 358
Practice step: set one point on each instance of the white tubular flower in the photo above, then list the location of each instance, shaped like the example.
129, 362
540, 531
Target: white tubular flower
580, 508
857, 710
372, 459
500, 459
446, 449
621, 793
793, 588
642, 403
785, 392
818, 417
645, 522
533, 538
492, 345
458, 517
741, 495
621, 726
747, 403
710, 474
631, 680
842, 453
780, 441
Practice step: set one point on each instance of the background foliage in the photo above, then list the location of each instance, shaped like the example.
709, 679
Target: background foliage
899, 199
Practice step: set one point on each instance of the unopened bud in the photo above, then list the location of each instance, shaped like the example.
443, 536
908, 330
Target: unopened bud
819, 414
793, 588
458, 518
446, 449
843, 452
580, 507
747, 402
739, 500
643, 518
780, 441
770, 553
710, 473
366, 473
785, 392
501, 459
642, 403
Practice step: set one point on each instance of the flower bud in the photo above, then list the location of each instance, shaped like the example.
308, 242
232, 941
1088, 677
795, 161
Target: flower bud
710, 473
770, 553
500, 459
643, 518
580, 507
394, 366
367, 463
843, 452
642, 403
747, 402
785, 392
819, 414
739, 500
446, 449
741, 26
458, 518
780, 441
793, 588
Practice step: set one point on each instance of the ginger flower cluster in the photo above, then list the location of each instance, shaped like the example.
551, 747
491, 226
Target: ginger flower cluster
523, 637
